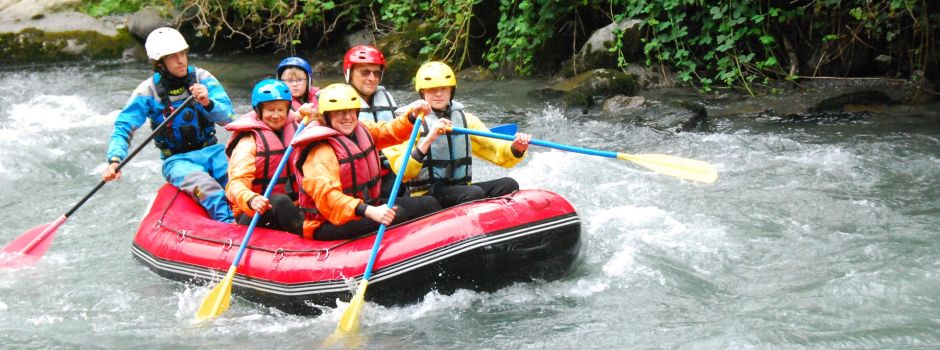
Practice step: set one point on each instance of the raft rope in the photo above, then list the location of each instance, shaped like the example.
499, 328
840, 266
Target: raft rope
184, 234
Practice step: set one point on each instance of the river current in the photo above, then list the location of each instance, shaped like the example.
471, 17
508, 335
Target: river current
820, 234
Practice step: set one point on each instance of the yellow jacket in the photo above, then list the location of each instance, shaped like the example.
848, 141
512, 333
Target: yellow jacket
495, 151
321, 180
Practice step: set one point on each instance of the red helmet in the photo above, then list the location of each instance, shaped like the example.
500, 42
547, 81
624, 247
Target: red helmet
362, 54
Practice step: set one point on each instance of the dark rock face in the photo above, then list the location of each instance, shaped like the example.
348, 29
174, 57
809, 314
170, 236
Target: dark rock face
857, 98
677, 116
399, 70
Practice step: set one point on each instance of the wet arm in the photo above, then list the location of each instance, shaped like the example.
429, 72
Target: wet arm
220, 110
131, 118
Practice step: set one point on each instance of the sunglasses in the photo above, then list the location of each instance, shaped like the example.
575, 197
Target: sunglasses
365, 73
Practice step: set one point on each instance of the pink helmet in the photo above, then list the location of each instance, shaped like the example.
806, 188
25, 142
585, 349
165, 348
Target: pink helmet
362, 54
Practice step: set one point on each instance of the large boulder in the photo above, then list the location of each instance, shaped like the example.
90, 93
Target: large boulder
583, 89
144, 21
595, 53
37, 31
12, 10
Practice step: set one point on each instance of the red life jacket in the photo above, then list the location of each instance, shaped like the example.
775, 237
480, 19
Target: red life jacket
359, 168
311, 98
269, 150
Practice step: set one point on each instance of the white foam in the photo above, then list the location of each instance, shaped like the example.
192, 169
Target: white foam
551, 113
621, 262
189, 300
55, 112
588, 286
44, 320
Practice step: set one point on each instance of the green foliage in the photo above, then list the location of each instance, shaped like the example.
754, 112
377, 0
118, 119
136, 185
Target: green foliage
731, 42
736, 43
740, 43
108, 7
524, 28
449, 22
271, 22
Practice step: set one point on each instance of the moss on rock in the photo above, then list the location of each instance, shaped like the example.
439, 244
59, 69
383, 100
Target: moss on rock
400, 70
407, 41
33, 45
602, 83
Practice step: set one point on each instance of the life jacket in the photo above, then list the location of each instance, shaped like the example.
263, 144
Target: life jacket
382, 108
311, 98
269, 150
191, 129
449, 158
359, 168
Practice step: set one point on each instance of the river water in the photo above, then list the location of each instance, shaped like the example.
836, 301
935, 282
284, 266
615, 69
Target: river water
818, 235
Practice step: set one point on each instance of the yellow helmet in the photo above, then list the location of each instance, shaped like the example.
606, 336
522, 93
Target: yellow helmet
434, 74
338, 97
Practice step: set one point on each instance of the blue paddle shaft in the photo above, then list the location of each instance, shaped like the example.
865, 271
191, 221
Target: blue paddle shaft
391, 200
542, 143
267, 194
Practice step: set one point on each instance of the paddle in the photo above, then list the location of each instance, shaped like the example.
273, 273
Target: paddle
219, 298
349, 322
505, 129
30, 246
683, 168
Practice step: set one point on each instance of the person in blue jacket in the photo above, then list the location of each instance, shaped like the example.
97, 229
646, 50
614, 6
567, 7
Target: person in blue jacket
193, 160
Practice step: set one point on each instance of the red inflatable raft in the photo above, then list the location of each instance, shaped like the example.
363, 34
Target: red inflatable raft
530, 235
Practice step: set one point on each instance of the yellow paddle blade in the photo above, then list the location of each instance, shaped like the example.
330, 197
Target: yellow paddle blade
683, 168
218, 299
349, 322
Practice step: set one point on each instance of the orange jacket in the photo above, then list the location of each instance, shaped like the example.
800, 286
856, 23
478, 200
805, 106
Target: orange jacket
321, 178
241, 172
242, 169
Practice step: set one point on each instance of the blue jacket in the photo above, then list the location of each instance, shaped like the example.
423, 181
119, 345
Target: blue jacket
145, 103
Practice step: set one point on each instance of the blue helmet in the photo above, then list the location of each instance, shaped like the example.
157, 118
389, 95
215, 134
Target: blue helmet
269, 90
293, 62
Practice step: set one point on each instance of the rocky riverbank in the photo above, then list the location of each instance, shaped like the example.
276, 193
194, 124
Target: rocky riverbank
48, 31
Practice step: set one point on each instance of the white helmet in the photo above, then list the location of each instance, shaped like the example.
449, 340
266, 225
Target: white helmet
164, 41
